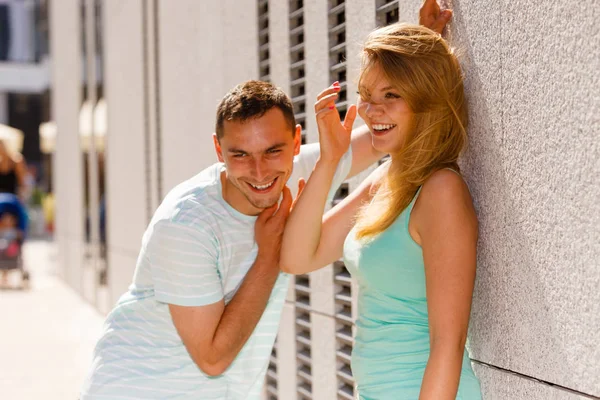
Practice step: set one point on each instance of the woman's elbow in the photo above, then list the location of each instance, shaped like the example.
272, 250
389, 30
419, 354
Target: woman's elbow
290, 268
449, 343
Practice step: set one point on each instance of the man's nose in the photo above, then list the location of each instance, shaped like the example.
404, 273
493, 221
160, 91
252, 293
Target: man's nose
260, 169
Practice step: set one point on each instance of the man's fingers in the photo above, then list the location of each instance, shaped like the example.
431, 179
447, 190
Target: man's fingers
267, 213
286, 203
350, 117
301, 184
428, 8
441, 22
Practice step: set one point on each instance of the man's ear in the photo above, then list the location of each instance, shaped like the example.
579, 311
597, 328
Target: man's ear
218, 148
297, 139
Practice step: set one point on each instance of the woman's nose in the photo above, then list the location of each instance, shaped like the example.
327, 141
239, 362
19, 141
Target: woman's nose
372, 109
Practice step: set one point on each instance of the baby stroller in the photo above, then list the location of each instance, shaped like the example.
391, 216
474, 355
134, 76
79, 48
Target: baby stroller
13, 229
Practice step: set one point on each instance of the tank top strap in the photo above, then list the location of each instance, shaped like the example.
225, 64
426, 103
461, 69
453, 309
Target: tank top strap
414, 200
453, 170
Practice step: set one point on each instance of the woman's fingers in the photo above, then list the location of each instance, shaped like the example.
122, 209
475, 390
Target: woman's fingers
350, 117
334, 88
326, 102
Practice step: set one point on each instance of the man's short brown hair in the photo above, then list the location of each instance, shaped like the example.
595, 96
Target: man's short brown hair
252, 99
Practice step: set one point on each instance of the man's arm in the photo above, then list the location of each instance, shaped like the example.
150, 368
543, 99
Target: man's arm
214, 334
363, 153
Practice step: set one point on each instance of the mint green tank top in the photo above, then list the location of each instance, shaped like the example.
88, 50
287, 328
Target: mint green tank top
392, 329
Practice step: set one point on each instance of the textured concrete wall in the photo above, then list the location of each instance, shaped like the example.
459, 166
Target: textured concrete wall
500, 385
68, 160
533, 165
126, 186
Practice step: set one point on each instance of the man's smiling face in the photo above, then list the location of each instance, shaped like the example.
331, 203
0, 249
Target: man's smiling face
258, 154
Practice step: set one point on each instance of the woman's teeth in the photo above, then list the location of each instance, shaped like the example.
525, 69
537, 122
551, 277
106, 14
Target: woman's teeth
263, 187
382, 127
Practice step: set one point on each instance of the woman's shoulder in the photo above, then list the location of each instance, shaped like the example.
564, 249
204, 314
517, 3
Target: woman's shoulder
445, 194
444, 184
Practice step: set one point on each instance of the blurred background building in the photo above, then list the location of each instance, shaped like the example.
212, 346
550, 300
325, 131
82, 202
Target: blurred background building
25, 95
127, 112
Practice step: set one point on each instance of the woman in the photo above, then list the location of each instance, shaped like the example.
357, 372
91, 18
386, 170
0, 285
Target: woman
408, 234
12, 171
12, 180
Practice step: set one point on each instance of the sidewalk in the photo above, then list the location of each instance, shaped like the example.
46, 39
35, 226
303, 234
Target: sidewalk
47, 333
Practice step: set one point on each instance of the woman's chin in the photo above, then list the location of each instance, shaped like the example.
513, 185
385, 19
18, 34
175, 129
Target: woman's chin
382, 147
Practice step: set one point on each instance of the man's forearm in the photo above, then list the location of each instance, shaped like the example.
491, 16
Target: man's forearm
363, 153
242, 314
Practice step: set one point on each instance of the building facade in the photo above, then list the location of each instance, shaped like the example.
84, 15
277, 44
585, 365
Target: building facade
532, 164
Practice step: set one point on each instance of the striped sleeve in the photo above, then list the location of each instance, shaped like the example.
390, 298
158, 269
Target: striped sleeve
183, 262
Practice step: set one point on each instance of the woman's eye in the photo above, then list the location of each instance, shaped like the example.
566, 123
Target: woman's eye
391, 96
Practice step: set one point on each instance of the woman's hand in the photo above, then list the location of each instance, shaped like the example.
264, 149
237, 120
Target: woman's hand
431, 17
334, 136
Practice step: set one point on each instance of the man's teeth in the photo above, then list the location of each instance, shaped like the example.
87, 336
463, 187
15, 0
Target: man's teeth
263, 187
381, 127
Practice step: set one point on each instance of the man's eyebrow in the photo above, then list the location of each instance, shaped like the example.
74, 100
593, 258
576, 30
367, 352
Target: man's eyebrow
274, 147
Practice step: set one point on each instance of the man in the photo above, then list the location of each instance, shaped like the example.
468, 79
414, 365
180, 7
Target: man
201, 316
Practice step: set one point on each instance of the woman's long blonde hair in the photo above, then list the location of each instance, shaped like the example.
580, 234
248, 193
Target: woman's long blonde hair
422, 67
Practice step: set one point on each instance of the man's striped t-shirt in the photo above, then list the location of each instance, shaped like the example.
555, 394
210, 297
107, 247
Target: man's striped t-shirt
196, 251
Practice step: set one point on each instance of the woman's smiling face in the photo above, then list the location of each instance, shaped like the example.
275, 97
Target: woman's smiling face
387, 115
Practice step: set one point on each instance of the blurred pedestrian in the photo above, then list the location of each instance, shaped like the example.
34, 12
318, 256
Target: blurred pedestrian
13, 172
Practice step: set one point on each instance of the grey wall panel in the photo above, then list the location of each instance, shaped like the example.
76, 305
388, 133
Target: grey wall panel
279, 43
68, 158
126, 185
360, 15
200, 60
317, 59
122, 266
240, 58
191, 81
286, 354
501, 385
323, 353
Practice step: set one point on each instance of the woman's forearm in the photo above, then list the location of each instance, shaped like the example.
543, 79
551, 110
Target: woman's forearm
442, 374
303, 229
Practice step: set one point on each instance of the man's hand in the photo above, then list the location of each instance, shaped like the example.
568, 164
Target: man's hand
268, 229
334, 136
431, 17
